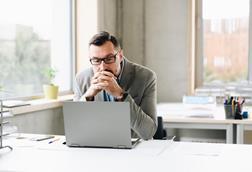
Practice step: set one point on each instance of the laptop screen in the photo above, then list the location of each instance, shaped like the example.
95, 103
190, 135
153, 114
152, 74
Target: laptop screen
97, 124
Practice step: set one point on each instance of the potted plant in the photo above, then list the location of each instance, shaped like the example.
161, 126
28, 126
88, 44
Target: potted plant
50, 90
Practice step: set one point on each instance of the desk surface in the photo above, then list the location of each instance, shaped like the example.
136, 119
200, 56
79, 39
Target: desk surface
178, 115
178, 112
153, 155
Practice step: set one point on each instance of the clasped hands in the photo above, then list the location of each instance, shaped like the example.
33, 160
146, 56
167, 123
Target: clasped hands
104, 80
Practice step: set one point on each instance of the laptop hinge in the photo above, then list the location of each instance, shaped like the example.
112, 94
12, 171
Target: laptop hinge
121, 146
74, 145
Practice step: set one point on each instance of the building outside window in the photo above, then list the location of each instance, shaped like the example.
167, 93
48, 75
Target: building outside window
223, 47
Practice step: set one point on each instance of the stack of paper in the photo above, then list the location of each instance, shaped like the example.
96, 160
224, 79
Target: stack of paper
14, 103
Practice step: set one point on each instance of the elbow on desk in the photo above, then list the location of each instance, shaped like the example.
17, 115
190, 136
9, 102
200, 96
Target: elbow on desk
148, 135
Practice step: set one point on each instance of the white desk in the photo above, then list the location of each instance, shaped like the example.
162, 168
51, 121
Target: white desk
148, 156
242, 126
175, 115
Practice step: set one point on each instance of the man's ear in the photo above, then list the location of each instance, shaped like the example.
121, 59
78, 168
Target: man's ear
121, 54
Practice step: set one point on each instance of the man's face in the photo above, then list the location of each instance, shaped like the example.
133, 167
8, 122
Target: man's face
106, 51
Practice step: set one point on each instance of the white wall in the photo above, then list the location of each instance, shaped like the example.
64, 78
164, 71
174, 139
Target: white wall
165, 46
42, 122
154, 34
132, 32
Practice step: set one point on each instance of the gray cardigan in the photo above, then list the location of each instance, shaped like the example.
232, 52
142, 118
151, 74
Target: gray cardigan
141, 85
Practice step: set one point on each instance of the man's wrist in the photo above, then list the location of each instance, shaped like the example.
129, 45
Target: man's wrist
89, 98
122, 97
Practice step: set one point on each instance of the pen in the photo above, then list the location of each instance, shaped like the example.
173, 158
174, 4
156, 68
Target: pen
233, 105
53, 140
243, 101
225, 102
43, 138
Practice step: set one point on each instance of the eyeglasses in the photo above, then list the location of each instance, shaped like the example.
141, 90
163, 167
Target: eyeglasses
107, 60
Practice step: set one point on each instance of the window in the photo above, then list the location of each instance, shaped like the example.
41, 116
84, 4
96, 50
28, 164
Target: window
223, 32
34, 35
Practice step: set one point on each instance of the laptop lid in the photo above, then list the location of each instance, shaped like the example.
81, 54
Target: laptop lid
97, 124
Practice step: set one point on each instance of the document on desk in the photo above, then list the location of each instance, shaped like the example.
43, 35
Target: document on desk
14, 103
18, 140
199, 110
198, 149
186, 110
199, 113
190, 112
153, 147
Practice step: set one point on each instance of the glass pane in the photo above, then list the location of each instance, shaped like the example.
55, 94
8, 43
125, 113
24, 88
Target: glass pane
225, 41
34, 35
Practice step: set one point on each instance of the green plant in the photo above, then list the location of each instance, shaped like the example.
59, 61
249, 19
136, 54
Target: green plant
50, 74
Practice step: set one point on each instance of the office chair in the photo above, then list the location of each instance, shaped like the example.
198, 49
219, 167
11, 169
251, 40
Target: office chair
161, 132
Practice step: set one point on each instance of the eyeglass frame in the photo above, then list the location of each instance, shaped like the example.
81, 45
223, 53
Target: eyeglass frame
104, 59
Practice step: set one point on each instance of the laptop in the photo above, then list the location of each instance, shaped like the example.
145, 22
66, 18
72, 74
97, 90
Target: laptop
98, 124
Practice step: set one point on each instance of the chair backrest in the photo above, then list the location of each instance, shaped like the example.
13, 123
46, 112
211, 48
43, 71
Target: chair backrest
161, 132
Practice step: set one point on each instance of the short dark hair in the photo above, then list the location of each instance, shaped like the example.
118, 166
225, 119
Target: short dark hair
102, 37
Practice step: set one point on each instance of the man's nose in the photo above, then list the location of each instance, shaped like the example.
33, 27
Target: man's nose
102, 65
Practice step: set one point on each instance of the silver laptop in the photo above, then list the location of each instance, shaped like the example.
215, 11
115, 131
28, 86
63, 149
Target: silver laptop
98, 124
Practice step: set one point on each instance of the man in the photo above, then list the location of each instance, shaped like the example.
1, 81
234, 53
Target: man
113, 78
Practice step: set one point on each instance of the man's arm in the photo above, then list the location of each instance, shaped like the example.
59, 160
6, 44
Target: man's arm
85, 86
143, 117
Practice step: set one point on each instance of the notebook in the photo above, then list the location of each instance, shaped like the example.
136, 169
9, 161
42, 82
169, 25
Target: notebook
98, 124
